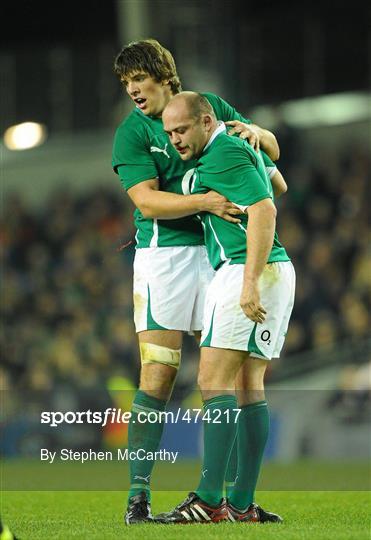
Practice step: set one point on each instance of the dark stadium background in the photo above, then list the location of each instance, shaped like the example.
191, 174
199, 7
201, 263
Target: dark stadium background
67, 336
263, 52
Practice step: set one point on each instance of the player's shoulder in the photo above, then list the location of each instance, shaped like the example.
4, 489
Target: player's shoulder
234, 150
214, 100
226, 152
210, 96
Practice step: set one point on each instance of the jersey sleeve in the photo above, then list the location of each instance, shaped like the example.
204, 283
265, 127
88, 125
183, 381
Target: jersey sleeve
223, 110
131, 159
240, 182
270, 166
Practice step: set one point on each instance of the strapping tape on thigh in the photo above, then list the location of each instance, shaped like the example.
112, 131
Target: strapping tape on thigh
157, 354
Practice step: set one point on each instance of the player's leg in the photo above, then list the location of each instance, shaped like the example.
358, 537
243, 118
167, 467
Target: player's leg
159, 364
277, 294
160, 359
249, 386
163, 304
218, 368
252, 436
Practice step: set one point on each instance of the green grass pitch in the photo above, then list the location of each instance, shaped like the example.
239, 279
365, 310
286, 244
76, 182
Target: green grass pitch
85, 515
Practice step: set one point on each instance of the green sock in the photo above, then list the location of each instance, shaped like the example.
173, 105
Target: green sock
218, 441
253, 429
146, 436
231, 472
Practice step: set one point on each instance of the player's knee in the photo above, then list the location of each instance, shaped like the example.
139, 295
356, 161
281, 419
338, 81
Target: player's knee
252, 383
213, 380
157, 354
246, 397
157, 380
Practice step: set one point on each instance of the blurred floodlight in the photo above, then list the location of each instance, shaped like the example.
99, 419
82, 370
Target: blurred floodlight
330, 110
24, 136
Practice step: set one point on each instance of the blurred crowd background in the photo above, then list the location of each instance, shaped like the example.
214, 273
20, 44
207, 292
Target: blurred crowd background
67, 302
66, 227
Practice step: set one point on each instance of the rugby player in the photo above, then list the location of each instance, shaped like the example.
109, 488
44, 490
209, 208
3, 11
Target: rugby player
171, 269
247, 310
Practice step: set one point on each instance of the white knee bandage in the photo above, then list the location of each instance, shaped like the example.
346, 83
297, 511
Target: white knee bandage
156, 354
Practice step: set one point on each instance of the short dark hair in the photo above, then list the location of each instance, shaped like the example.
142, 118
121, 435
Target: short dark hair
148, 56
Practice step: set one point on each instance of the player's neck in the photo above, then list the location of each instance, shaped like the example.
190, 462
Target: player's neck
217, 128
167, 98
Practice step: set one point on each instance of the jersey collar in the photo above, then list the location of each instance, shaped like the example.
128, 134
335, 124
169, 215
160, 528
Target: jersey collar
221, 128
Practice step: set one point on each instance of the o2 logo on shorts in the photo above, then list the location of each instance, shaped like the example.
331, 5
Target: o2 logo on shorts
266, 337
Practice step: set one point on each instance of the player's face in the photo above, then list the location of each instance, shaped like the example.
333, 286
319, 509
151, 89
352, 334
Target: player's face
187, 135
150, 96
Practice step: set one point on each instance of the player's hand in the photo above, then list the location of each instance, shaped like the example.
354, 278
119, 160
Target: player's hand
245, 131
220, 206
250, 302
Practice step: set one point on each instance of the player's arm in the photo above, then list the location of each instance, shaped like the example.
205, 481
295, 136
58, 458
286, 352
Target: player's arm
268, 142
257, 137
157, 204
260, 236
137, 171
277, 180
278, 184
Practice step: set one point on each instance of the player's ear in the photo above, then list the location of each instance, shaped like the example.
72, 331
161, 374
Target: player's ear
207, 121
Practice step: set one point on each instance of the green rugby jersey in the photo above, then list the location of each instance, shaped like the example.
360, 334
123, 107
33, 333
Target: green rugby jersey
230, 166
142, 151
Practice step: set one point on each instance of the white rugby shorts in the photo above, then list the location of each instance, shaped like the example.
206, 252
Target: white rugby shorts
170, 285
227, 327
